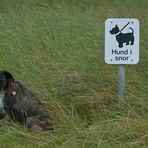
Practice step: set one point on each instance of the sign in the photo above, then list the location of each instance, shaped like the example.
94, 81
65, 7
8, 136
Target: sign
121, 41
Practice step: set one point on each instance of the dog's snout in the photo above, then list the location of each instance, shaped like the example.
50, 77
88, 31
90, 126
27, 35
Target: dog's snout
111, 32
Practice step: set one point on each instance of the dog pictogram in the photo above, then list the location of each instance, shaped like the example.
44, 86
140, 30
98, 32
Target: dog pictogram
121, 38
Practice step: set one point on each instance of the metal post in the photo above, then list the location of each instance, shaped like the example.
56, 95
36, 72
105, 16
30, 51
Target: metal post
121, 84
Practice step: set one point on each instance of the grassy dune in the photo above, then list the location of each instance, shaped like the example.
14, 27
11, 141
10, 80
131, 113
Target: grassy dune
56, 49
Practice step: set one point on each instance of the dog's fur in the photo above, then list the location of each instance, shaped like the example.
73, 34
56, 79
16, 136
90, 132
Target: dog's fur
123, 37
22, 105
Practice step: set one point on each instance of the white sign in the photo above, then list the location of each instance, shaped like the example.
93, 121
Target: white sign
121, 41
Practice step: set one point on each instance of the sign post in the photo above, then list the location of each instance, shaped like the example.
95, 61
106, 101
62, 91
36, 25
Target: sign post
121, 47
121, 83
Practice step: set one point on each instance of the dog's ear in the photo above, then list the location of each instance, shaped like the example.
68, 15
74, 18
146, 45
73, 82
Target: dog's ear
10, 82
8, 76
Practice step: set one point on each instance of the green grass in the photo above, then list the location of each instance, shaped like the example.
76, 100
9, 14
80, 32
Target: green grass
56, 49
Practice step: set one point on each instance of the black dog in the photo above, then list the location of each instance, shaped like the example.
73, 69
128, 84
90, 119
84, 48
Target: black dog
123, 37
22, 105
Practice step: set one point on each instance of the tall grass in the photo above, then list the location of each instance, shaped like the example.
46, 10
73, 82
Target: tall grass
56, 49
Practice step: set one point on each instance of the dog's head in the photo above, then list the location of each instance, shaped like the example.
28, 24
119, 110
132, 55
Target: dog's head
115, 30
6, 81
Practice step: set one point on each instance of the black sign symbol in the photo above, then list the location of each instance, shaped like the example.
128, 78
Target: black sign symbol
121, 38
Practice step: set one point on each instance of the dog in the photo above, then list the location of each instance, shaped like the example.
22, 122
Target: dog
22, 105
123, 37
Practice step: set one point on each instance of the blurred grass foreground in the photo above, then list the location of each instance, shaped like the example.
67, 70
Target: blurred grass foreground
56, 49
